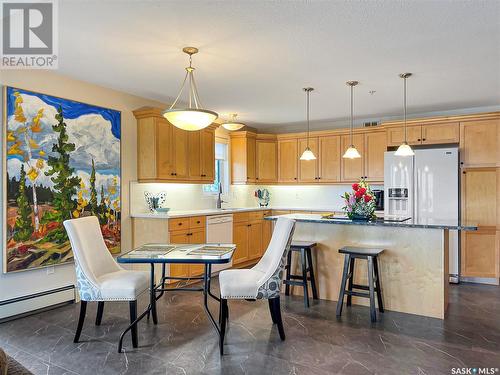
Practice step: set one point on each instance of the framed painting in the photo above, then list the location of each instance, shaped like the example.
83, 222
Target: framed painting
62, 161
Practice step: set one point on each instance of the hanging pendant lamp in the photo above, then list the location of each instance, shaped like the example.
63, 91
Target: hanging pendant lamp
232, 124
307, 154
351, 152
194, 117
404, 149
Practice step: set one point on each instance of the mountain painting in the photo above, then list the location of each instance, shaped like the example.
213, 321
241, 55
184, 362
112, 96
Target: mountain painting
63, 162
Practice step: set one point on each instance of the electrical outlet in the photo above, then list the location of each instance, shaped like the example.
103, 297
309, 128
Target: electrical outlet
50, 270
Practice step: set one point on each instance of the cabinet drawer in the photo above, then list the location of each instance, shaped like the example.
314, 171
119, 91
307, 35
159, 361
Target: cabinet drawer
266, 213
178, 223
255, 215
240, 217
197, 222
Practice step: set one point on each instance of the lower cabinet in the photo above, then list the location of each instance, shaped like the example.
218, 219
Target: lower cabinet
480, 253
251, 235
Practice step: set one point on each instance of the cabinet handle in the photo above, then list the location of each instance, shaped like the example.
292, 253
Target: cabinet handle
464, 172
295, 178
423, 139
249, 225
419, 140
203, 175
319, 178
198, 222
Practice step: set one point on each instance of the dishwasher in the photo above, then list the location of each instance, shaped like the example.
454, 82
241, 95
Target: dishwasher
220, 230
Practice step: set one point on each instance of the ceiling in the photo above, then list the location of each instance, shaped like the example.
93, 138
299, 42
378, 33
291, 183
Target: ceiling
255, 56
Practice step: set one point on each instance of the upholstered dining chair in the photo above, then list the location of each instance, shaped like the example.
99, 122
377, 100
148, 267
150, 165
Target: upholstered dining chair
99, 278
263, 281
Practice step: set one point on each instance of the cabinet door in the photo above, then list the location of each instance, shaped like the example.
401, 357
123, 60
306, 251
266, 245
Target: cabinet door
480, 254
251, 150
478, 143
266, 161
255, 239
207, 140
164, 150
396, 135
194, 155
329, 159
179, 269
353, 169
180, 153
240, 239
440, 133
196, 236
267, 232
287, 160
375, 146
238, 160
479, 194
308, 169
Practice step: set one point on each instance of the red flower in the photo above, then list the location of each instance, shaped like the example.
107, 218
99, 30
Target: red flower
367, 198
362, 190
358, 194
355, 187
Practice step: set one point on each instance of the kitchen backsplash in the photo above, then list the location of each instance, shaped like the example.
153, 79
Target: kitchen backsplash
192, 197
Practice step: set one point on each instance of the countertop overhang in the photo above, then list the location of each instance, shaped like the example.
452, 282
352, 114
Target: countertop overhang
411, 223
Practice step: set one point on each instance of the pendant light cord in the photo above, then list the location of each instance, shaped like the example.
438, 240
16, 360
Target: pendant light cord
307, 114
352, 111
404, 100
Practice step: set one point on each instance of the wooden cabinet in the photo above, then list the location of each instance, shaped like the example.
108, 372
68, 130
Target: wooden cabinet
251, 234
375, 146
479, 143
255, 238
266, 160
308, 169
169, 154
330, 157
479, 257
440, 133
287, 160
243, 149
396, 135
240, 239
267, 232
353, 169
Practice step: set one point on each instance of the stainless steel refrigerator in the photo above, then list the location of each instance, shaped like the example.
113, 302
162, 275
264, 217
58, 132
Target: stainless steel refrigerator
425, 187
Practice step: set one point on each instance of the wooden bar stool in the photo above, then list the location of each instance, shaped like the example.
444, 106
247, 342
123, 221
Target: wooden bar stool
304, 248
371, 255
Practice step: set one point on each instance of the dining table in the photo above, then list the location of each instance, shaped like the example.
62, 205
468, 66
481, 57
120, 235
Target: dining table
158, 253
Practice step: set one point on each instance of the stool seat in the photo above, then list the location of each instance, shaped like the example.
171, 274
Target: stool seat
355, 250
302, 244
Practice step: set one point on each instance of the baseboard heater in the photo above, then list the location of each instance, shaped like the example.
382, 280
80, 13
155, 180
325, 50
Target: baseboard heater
25, 305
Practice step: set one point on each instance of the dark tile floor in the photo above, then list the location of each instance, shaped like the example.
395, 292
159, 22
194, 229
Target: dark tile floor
317, 343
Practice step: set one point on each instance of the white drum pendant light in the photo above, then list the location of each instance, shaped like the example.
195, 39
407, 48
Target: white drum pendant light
404, 149
232, 124
307, 154
351, 152
194, 117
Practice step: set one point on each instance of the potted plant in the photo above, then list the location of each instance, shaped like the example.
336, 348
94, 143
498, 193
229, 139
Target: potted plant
360, 203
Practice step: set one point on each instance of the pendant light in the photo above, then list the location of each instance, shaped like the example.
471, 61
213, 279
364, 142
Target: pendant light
351, 152
404, 149
307, 154
194, 117
232, 124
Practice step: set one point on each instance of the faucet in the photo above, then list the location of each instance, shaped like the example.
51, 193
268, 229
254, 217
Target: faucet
219, 199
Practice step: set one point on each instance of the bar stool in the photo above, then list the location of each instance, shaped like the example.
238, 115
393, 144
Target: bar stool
371, 255
304, 248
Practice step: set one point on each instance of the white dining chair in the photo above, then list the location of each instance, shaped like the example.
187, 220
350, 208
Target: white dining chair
263, 281
99, 278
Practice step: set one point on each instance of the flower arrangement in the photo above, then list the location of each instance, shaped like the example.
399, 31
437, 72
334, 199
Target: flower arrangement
360, 203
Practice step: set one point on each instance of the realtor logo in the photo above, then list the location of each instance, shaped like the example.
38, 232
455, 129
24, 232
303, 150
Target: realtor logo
29, 34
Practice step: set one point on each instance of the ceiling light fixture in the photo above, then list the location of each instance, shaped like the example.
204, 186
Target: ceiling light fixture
351, 152
404, 149
307, 154
194, 117
232, 124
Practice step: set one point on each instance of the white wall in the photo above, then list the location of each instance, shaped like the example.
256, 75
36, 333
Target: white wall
27, 282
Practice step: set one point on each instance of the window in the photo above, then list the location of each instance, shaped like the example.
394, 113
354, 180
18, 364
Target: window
221, 171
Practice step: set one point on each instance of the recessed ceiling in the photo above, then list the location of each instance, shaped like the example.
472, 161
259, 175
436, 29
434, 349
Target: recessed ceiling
255, 56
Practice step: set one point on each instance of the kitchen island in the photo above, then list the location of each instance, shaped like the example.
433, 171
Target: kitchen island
413, 267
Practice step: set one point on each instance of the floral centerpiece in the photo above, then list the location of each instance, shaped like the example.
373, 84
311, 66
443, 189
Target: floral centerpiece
360, 203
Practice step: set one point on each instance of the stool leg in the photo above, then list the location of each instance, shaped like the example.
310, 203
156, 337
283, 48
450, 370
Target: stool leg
351, 280
377, 285
287, 268
373, 313
311, 273
340, 302
304, 276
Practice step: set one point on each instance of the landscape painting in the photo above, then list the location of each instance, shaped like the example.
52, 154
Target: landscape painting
62, 162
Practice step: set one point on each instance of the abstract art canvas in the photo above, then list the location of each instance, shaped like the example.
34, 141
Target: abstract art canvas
62, 162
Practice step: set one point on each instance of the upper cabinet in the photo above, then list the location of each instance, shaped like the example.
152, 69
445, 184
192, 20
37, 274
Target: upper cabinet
266, 159
168, 154
424, 134
375, 146
330, 157
288, 160
479, 143
243, 148
353, 169
308, 169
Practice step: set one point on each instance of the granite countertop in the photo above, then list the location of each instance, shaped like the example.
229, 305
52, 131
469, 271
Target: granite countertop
217, 211
381, 222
